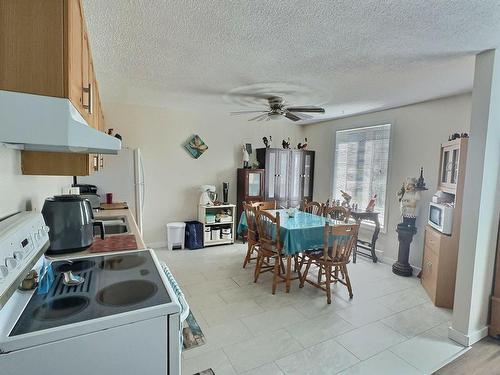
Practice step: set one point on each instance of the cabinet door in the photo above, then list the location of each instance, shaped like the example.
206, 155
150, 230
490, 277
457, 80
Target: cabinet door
295, 178
308, 175
75, 55
271, 174
450, 156
87, 80
32, 47
254, 185
455, 156
281, 187
429, 277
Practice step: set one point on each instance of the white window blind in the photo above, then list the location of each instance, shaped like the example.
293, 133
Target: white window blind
361, 165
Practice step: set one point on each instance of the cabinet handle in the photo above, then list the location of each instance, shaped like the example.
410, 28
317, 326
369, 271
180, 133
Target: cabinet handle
89, 106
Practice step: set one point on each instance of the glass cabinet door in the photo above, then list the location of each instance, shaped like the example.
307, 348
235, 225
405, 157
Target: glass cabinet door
454, 166
254, 181
271, 174
307, 175
445, 167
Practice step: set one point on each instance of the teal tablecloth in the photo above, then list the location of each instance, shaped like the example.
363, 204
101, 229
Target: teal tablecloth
302, 232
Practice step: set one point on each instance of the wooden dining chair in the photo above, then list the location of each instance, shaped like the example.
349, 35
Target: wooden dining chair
314, 208
339, 241
252, 235
336, 213
265, 205
270, 256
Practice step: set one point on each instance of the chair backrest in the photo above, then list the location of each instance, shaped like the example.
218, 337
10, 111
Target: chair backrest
268, 205
314, 208
268, 228
251, 223
336, 213
339, 241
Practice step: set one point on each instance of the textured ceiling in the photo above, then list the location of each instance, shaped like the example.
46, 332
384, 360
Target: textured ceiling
351, 56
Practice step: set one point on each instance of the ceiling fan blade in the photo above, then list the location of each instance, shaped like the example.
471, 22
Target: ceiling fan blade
303, 116
245, 112
309, 108
292, 116
258, 118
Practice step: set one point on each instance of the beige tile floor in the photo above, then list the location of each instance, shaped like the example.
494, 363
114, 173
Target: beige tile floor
389, 327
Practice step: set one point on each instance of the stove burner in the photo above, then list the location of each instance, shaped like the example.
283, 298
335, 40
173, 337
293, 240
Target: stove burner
126, 293
76, 266
119, 263
60, 308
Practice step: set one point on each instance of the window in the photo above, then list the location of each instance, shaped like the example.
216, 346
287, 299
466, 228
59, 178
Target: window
361, 165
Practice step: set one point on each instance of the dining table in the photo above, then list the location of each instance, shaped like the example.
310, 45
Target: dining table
299, 232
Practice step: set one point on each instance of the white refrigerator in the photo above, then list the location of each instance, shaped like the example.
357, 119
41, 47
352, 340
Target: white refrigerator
122, 175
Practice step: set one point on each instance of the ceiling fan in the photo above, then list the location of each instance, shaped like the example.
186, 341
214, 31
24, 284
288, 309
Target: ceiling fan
277, 109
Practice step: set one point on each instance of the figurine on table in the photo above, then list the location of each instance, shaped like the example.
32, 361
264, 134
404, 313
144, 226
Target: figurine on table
347, 199
371, 204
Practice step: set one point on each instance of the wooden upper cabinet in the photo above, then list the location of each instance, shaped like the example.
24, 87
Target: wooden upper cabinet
44, 50
75, 55
32, 51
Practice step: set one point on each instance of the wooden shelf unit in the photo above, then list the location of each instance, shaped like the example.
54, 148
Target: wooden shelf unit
439, 263
202, 213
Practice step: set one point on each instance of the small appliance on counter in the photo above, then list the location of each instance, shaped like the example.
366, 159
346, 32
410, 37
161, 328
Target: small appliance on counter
88, 192
71, 222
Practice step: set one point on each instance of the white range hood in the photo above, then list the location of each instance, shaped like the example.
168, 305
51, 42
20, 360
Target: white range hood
46, 123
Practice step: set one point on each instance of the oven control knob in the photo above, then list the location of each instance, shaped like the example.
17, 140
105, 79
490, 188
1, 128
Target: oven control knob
10, 263
18, 255
4, 271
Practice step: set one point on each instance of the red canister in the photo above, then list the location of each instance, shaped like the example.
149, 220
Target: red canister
109, 198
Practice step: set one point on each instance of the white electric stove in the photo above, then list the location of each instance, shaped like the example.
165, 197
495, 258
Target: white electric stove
103, 314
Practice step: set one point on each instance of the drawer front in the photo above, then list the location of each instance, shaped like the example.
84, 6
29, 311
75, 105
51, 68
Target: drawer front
430, 272
432, 240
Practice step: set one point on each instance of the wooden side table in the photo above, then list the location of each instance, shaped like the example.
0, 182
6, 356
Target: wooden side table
360, 216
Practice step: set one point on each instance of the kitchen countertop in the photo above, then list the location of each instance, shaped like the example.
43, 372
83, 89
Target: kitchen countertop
132, 226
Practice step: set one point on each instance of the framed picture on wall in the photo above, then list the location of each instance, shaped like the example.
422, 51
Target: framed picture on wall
195, 146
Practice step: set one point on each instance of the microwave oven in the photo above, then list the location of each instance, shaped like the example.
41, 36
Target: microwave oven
441, 217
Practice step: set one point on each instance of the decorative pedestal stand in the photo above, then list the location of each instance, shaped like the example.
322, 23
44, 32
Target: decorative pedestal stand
406, 230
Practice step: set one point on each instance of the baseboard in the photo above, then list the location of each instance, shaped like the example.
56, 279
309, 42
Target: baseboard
157, 245
467, 340
390, 261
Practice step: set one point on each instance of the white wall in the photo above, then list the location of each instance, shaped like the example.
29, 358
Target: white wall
172, 176
418, 131
18, 192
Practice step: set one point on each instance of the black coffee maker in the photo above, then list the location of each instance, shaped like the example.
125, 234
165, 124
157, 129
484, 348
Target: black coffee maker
225, 192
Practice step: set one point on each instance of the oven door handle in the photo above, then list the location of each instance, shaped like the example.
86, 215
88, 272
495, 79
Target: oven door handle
178, 292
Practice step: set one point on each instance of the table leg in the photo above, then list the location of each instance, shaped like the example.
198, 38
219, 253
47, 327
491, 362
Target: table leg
288, 276
374, 239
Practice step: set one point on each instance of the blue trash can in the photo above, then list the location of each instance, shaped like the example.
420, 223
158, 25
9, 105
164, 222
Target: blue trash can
194, 235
